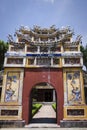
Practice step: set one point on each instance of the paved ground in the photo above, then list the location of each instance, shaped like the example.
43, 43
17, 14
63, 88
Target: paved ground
46, 111
43, 128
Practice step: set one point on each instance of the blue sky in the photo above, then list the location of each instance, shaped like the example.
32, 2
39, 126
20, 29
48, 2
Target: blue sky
44, 13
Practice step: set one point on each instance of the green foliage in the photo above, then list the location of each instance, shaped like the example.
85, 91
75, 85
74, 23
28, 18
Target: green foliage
54, 106
84, 51
3, 49
35, 108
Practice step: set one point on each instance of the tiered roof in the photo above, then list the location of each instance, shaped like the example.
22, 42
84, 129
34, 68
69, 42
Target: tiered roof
25, 34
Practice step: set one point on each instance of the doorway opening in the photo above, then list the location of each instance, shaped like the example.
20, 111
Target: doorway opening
45, 95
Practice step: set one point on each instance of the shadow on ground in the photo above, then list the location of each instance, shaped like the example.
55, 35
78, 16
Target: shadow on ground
43, 120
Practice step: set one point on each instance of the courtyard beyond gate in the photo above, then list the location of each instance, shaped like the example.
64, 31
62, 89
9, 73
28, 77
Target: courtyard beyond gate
45, 117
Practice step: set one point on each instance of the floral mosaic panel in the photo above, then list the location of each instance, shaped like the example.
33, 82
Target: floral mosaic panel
12, 86
73, 87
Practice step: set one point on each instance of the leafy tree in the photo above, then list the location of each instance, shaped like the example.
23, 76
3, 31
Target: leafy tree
3, 49
84, 51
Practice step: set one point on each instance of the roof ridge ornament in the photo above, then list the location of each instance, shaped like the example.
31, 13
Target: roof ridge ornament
79, 38
10, 38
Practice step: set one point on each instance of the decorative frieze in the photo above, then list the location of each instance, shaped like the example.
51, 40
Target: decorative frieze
43, 55
15, 54
70, 54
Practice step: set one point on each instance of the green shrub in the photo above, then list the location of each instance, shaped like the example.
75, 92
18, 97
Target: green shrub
35, 108
54, 106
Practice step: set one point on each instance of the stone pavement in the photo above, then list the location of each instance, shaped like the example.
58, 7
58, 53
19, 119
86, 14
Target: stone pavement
43, 128
46, 111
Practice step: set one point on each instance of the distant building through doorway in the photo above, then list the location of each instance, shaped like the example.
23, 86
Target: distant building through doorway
43, 92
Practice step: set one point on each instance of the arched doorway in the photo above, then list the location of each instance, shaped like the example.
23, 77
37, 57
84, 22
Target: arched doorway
34, 76
43, 94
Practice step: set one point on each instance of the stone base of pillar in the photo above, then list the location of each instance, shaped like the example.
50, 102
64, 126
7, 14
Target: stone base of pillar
68, 124
12, 123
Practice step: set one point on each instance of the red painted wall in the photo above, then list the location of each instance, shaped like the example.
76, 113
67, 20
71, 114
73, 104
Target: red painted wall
38, 75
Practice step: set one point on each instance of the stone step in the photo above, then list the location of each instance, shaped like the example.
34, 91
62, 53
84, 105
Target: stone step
45, 103
44, 128
42, 125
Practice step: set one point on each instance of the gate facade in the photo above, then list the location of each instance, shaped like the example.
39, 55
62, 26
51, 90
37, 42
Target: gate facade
43, 55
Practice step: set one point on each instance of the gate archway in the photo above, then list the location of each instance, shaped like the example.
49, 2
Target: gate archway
44, 94
35, 76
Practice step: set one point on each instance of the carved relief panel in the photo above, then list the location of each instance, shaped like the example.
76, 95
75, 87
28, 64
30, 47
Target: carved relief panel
12, 86
73, 85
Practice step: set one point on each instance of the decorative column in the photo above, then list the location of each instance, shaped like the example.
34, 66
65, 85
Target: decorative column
54, 96
38, 49
35, 61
